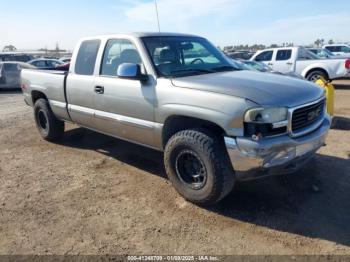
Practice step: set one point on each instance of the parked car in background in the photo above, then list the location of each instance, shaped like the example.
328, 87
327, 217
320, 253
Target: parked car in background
339, 49
177, 93
303, 62
65, 59
10, 74
63, 67
261, 67
15, 57
323, 53
44, 63
245, 55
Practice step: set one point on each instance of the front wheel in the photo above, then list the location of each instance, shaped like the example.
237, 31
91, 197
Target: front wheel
197, 165
50, 128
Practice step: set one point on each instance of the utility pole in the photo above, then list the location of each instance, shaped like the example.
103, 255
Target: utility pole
155, 3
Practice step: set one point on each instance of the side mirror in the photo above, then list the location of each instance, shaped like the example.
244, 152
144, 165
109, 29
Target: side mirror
131, 71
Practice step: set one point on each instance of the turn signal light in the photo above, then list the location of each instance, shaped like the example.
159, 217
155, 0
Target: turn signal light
347, 64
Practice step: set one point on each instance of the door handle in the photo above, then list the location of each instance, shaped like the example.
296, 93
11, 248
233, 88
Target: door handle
270, 64
99, 90
289, 63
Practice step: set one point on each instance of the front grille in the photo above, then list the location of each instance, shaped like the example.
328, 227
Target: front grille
307, 116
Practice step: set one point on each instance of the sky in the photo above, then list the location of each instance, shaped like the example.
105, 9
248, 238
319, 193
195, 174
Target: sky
38, 24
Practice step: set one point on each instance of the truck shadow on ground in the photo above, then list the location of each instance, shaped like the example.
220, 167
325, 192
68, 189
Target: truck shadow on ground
343, 85
341, 123
315, 202
10, 91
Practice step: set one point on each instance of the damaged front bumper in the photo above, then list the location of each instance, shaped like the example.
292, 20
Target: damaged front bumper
274, 156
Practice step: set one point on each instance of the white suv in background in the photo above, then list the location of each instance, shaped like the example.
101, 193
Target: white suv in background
339, 49
301, 61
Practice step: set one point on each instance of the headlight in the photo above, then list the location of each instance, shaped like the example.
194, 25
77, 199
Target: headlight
266, 115
264, 122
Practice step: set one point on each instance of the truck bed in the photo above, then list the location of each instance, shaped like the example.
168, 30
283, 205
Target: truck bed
49, 82
335, 67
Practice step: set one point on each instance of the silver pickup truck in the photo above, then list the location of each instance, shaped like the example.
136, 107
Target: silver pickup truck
177, 93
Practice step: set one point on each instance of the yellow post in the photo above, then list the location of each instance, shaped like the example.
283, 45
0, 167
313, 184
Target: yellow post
329, 94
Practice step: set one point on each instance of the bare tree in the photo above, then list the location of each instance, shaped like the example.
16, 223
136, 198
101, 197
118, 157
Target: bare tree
317, 42
9, 48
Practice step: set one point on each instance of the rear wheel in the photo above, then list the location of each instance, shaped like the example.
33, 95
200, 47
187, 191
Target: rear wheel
50, 128
316, 75
197, 164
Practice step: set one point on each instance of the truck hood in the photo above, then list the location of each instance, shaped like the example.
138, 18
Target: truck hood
262, 88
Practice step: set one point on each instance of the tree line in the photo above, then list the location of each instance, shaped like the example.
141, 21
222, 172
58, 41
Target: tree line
12, 48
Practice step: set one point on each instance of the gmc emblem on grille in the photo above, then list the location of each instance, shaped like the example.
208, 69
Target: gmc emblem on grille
314, 114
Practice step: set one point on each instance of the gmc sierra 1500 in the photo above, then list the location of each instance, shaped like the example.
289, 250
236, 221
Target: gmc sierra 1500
179, 94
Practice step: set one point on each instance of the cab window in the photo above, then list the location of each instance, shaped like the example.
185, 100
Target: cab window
86, 59
264, 56
40, 63
283, 55
11, 67
333, 48
117, 52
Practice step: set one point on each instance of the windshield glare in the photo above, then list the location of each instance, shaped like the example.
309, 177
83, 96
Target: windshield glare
175, 56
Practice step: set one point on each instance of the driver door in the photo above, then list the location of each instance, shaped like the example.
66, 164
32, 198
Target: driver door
124, 107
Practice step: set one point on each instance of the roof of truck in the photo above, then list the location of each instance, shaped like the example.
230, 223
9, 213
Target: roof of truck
142, 34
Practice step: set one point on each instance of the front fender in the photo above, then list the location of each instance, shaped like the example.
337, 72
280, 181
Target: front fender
230, 121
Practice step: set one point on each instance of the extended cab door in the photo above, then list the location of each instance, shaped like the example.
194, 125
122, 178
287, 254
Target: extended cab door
265, 57
124, 107
284, 60
80, 86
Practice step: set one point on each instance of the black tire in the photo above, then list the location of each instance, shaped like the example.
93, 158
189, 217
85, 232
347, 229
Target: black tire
50, 128
203, 149
313, 76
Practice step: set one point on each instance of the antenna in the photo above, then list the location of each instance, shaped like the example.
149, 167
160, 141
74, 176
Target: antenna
155, 3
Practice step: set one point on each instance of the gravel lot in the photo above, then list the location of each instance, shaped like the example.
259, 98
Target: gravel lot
92, 194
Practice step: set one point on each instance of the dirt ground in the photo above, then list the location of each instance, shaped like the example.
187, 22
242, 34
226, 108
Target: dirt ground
92, 194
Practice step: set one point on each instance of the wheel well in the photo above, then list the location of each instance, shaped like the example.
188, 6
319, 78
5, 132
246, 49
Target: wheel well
37, 95
317, 69
175, 124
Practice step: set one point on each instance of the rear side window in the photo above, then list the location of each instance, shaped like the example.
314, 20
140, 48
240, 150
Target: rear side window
333, 48
264, 56
40, 64
86, 59
283, 55
11, 67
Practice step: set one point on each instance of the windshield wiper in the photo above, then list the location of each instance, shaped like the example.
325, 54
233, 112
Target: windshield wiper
189, 70
224, 68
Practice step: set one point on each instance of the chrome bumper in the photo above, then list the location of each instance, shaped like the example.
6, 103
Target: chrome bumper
274, 156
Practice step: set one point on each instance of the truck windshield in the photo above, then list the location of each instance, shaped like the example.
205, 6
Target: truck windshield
175, 56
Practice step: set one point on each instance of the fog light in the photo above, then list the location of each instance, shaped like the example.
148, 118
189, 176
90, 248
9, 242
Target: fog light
256, 152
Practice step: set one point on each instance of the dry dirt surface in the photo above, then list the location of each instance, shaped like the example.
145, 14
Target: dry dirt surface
93, 194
